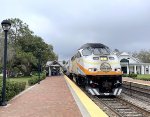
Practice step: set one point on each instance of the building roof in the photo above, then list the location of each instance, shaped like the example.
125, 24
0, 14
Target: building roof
93, 45
125, 55
56, 63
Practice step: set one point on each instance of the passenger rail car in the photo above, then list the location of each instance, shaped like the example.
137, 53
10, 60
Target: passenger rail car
95, 67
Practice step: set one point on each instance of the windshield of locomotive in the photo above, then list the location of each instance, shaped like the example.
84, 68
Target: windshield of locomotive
101, 51
95, 51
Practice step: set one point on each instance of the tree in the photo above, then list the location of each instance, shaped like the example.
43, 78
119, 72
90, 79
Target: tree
18, 29
10, 50
116, 51
64, 62
25, 62
33, 44
1, 45
143, 55
23, 48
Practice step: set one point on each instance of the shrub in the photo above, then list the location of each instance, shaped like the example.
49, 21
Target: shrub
125, 75
33, 81
43, 75
132, 75
12, 88
129, 75
36, 79
143, 77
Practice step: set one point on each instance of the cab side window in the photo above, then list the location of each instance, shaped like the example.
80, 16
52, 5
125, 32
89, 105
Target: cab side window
72, 59
78, 55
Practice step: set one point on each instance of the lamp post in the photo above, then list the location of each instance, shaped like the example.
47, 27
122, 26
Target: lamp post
39, 64
6, 26
128, 65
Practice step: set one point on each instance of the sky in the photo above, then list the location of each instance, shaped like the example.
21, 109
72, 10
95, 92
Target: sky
68, 24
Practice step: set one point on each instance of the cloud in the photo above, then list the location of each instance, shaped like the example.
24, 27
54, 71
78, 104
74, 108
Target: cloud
67, 24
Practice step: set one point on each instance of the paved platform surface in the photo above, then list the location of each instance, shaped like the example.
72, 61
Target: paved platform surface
136, 81
87, 107
50, 98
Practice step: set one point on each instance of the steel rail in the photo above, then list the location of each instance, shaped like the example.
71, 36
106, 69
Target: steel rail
137, 95
120, 106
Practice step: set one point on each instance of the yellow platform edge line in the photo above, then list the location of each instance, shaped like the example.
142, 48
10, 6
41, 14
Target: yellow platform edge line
91, 107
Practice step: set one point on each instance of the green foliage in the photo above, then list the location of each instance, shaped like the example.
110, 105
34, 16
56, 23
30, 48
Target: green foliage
36, 79
43, 75
133, 75
16, 85
23, 49
145, 77
25, 61
129, 75
36, 46
18, 29
64, 62
21, 79
12, 88
33, 81
143, 55
125, 75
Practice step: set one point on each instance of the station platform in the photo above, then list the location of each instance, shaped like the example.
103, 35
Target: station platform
140, 82
55, 96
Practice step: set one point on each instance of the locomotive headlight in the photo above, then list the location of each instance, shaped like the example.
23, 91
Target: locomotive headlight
118, 70
92, 69
103, 58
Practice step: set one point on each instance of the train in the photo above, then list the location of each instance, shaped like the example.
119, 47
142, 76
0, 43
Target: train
95, 67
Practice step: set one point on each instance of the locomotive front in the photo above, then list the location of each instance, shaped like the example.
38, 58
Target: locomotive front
99, 69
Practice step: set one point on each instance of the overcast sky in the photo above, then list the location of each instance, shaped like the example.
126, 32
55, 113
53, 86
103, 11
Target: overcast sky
67, 24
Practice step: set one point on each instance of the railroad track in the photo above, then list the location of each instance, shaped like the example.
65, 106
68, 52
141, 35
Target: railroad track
136, 94
137, 91
119, 107
144, 89
123, 108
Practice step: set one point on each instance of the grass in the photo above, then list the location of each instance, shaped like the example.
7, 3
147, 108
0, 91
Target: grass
143, 77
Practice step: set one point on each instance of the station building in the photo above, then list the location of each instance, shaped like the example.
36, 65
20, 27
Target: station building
52, 66
129, 64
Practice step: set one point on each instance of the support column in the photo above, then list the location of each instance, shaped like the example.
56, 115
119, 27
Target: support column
135, 71
49, 71
145, 70
127, 69
142, 69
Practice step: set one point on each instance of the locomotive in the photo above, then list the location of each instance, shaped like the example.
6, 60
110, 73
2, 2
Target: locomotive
96, 68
